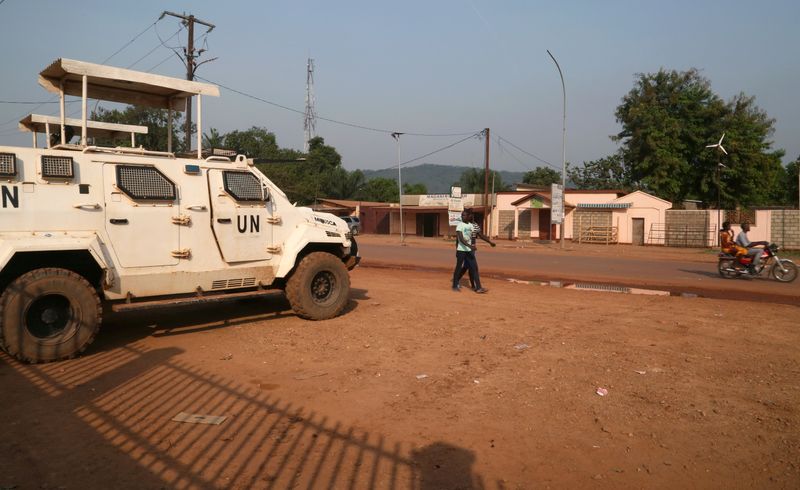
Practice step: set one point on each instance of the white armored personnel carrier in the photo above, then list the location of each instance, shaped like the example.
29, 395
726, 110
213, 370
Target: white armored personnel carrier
84, 226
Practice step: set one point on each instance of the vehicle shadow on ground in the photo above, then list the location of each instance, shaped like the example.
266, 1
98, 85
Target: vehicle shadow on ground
179, 320
715, 275
107, 421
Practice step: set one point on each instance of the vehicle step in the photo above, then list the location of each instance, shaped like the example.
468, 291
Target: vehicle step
180, 301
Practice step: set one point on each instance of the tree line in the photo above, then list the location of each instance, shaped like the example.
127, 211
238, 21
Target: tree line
667, 119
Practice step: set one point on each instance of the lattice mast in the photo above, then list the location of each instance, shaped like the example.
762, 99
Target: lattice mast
310, 122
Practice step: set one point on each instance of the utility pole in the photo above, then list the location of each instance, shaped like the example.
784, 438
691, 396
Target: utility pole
486, 181
191, 64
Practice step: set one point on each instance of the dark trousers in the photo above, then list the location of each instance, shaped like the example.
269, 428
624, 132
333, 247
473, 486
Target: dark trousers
466, 259
465, 269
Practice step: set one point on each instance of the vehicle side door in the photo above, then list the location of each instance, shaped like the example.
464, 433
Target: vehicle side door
141, 205
239, 215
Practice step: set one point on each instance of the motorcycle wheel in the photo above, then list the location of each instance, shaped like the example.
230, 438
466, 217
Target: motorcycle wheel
787, 273
727, 268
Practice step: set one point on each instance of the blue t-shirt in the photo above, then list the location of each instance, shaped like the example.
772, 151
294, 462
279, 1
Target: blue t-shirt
466, 230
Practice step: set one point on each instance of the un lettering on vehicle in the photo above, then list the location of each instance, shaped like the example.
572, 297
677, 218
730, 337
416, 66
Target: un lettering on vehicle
10, 196
248, 223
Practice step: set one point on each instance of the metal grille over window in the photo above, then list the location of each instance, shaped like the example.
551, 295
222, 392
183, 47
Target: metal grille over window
57, 167
145, 183
243, 186
8, 164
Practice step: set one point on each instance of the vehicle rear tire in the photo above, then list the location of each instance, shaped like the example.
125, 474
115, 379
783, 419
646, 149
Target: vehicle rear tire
48, 314
319, 288
786, 274
725, 268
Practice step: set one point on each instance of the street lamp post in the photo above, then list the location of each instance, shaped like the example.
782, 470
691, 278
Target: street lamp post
396, 137
563, 146
720, 166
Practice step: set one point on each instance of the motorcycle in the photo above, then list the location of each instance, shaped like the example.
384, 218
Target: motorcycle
783, 270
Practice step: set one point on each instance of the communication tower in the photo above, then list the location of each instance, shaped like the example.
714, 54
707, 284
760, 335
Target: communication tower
310, 122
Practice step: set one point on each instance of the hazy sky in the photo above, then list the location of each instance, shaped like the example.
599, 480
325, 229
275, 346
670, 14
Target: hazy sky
441, 67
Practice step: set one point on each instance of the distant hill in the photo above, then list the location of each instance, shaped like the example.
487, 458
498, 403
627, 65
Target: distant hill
437, 178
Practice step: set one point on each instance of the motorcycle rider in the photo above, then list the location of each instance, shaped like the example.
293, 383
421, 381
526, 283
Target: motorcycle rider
727, 242
754, 249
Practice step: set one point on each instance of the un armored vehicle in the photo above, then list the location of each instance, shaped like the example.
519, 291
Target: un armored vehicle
86, 228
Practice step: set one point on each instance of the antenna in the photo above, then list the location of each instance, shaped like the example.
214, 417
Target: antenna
310, 121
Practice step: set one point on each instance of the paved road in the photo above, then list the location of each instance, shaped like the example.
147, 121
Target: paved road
691, 276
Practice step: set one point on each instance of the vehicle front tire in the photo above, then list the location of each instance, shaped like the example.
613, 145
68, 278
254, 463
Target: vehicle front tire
47, 315
319, 288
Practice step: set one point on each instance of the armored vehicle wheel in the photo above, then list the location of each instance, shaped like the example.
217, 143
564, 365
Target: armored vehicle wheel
47, 315
319, 288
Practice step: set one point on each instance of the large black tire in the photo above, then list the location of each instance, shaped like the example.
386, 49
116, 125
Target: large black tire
319, 288
787, 273
47, 315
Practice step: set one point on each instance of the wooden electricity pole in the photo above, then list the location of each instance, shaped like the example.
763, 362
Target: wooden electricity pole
191, 65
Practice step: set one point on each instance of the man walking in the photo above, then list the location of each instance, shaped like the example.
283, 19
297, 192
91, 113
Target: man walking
476, 233
465, 255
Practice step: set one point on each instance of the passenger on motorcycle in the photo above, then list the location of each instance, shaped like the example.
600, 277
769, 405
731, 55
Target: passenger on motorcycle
754, 249
727, 243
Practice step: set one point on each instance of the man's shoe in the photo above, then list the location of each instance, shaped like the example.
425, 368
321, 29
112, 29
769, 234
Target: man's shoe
481, 290
456, 289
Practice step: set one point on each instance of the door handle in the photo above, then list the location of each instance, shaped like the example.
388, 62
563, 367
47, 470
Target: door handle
86, 205
199, 207
118, 221
223, 220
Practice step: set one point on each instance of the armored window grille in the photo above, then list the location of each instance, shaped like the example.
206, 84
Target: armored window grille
55, 167
145, 183
8, 164
243, 186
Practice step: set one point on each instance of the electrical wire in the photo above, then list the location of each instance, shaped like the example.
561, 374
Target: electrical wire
130, 42
162, 43
334, 121
52, 101
40, 102
474, 135
528, 153
513, 156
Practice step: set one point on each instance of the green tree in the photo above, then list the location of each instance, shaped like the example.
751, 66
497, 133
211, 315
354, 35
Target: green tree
418, 188
380, 189
605, 173
257, 142
472, 181
213, 139
542, 176
156, 121
667, 120
791, 183
341, 184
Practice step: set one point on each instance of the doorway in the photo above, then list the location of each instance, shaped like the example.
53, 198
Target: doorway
544, 225
427, 224
637, 232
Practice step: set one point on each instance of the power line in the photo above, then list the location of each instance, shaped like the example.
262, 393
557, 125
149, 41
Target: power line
156, 47
334, 121
473, 135
529, 153
33, 102
53, 101
130, 42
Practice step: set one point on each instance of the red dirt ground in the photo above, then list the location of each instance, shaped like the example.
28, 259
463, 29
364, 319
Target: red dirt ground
419, 387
